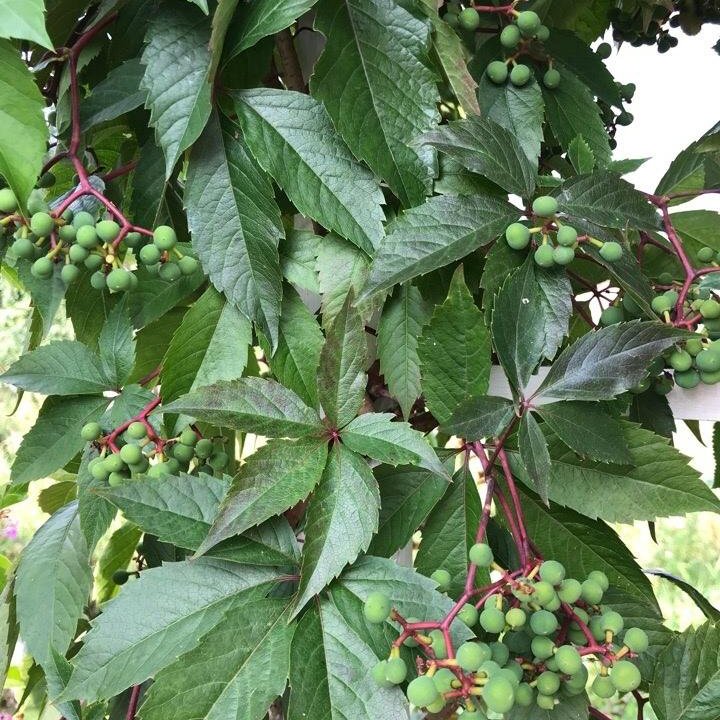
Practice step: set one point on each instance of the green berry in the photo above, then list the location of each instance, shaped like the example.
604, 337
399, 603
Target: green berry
545, 206
545, 702
520, 75
480, 554
120, 577
551, 79
42, 267
625, 676
421, 691
118, 280
468, 615
107, 230
114, 463
444, 679
94, 262
91, 431
131, 454
116, 478
86, 237
705, 254
544, 256
662, 385
41, 224
694, 346
69, 274
442, 578
136, 431
548, 683
604, 51
36, 203
82, 219
164, 237
708, 360
611, 315
8, 201
680, 360
636, 640
98, 470
78, 254
133, 239
575, 684
470, 656
543, 622
528, 22
566, 236
188, 265
515, 617
517, 235
218, 460
710, 309
603, 687
159, 470
469, 19
378, 673
377, 608
710, 378
500, 653
591, 592
204, 448
600, 578
497, 72
499, 694
24, 248
660, 304
436, 706
568, 660
510, 37
396, 671
544, 593
611, 251
185, 453
169, 271
524, 695
438, 644
543, 33
188, 437
97, 280
563, 255
149, 255
489, 668
492, 620
542, 647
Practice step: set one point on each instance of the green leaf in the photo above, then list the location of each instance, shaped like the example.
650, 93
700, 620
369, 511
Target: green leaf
53, 584
581, 156
46, 293
341, 519
57, 495
211, 344
446, 228
119, 93
395, 443
407, 495
23, 131
521, 111
659, 483
607, 362
341, 373
449, 532
653, 412
116, 346
260, 19
298, 258
196, 596
270, 543
24, 20
557, 295
686, 685
292, 137
296, 360
178, 93
606, 199
251, 404
235, 224
64, 367
202, 4
177, 509
518, 325
488, 149
454, 352
582, 545
480, 417
569, 708
534, 454
237, 670
96, 514
116, 555
570, 110
587, 430
399, 328
54, 439
377, 53
708, 609
8, 627
273, 479
329, 672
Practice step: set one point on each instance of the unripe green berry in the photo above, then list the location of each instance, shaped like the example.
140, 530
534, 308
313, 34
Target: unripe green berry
543, 622
107, 230
611, 315
188, 265
520, 75
548, 683
517, 235
708, 360
515, 617
164, 237
149, 255
378, 673
377, 608
131, 454
510, 37
185, 453
116, 478
470, 656
118, 280
78, 254
680, 360
544, 593
169, 271
97, 280
444, 679
69, 274
438, 644
611, 251
36, 203
545, 702
81, 219
469, 19
94, 262
42, 267
497, 71
499, 694
543, 33
625, 676
86, 237
421, 691
591, 592
528, 22
218, 460
625, 118
396, 671
98, 469
188, 437
524, 695
24, 248
568, 660
566, 236
133, 239
481, 554
468, 615
492, 620
204, 448
603, 687
599, 576
442, 578
687, 380
120, 577
136, 431
693, 346
41, 224
604, 51
710, 309
551, 79
90, 431
545, 206
563, 255
636, 640
660, 304
8, 201
705, 254
544, 256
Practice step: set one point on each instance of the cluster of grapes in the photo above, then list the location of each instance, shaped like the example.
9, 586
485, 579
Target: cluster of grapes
543, 626
558, 241
635, 27
77, 240
521, 37
125, 455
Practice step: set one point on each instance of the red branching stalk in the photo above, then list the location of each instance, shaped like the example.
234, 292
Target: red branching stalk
508, 10
109, 440
133, 704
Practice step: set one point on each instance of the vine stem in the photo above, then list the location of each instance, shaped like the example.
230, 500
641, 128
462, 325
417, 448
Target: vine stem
133, 704
594, 712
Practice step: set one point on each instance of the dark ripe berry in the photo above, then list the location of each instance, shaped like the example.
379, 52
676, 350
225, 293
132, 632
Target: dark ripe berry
118, 280
468, 615
543, 622
378, 673
611, 315
24, 248
8, 201
544, 256
204, 448
563, 255
131, 454
599, 576
551, 79
107, 230
164, 237
169, 271
470, 656
120, 577
604, 51
438, 644
97, 280
591, 592
91, 431
543, 33
517, 236
568, 660
469, 19
611, 251
625, 676
602, 686
149, 255
136, 430
188, 265
69, 274
42, 267
708, 360
86, 237
497, 71
499, 694
624, 118
520, 75
636, 640
41, 224
396, 671
377, 608
421, 691
480, 554
545, 206
510, 37
492, 620
566, 236
528, 22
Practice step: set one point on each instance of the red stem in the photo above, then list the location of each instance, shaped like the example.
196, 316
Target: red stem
132, 705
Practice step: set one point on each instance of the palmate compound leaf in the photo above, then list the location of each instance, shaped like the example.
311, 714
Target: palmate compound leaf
118, 652
534, 454
375, 81
237, 670
444, 229
607, 362
342, 517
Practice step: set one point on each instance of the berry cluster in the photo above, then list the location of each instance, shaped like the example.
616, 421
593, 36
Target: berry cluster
129, 450
634, 26
81, 240
558, 241
539, 628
